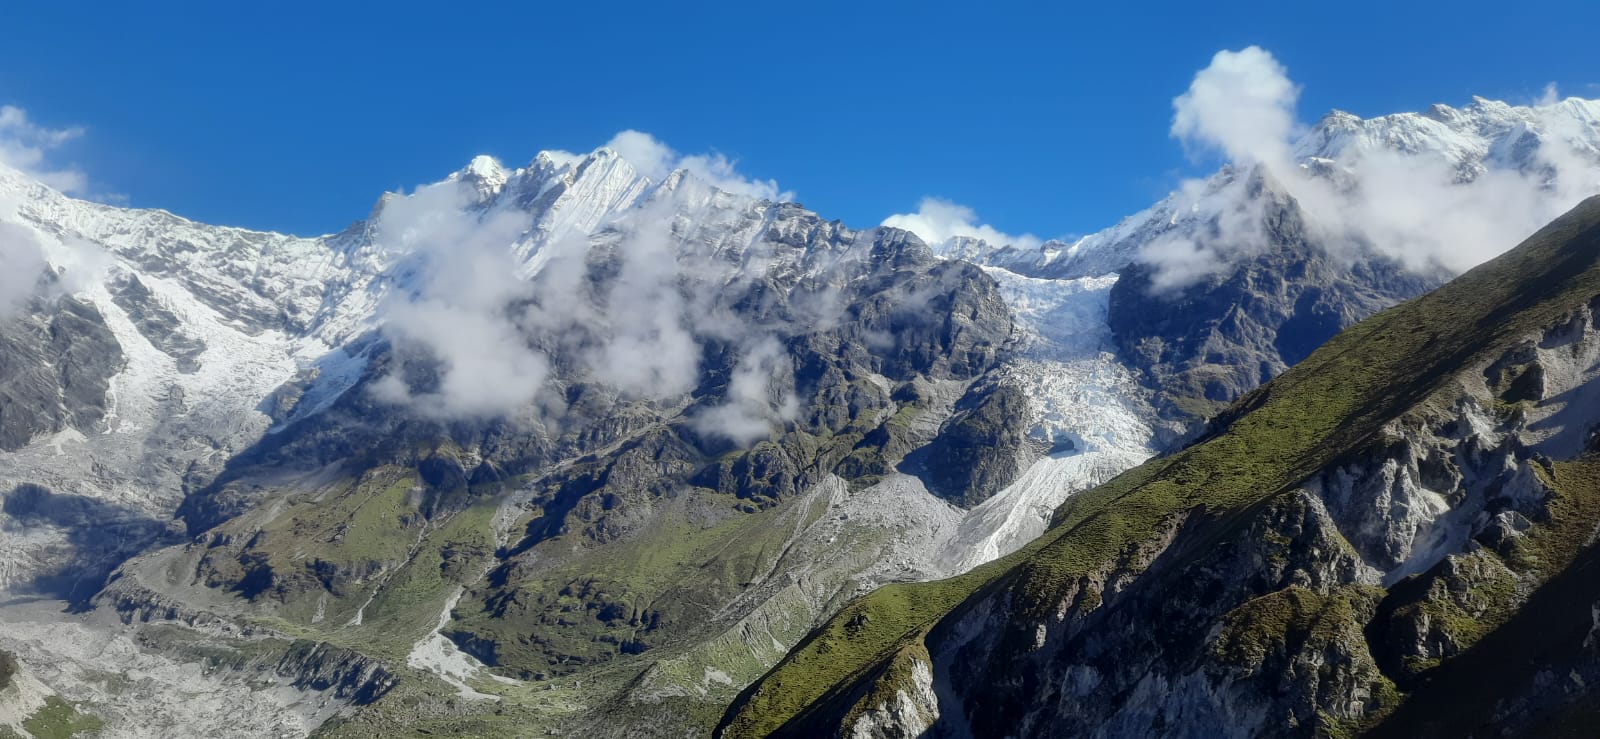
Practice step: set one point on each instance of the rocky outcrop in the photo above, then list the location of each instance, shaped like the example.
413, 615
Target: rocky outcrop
619, 532
857, 412
981, 448
58, 357
1203, 345
157, 322
347, 674
910, 711
873, 385
1384, 520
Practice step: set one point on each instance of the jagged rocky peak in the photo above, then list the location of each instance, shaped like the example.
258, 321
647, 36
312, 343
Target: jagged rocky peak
1394, 537
59, 358
254, 484
1204, 344
1483, 134
485, 175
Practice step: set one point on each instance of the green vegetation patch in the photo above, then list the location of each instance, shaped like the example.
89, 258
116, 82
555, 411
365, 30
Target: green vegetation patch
1299, 622
58, 719
1285, 621
330, 542
1472, 594
1574, 515
406, 607
595, 604
1270, 440
897, 676
8, 669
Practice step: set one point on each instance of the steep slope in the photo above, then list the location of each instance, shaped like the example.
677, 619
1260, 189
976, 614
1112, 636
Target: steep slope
565, 445
346, 522
1479, 138
29, 709
1349, 540
1202, 346
1289, 277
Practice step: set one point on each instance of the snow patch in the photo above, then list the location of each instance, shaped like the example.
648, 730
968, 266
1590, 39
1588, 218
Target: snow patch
440, 656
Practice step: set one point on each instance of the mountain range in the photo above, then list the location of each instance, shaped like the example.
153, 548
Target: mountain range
570, 447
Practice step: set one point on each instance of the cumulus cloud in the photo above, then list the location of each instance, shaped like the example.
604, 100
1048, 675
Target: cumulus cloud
1184, 258
459, 309
1416, 211
649, 347
629, 307
938, 220
647, 154
25, 146
753, 402
1241, 104
35, 265
1550, 95
22, 262
1424, 209
656, 160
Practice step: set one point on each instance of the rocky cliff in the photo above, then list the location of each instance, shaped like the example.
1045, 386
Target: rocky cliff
573, 447
1360, 545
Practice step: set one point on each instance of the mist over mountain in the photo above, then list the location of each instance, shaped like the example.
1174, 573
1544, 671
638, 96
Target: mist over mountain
626, 443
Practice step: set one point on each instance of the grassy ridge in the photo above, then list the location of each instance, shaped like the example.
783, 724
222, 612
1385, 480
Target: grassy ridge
1272, 439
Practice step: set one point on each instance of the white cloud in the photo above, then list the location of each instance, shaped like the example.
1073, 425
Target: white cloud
459, 313
656, 160
1234, 231
497, 339
1242, 105
648, 155
1415, 208
650, 348
1549, 96
752, 403
25, 147
22, 263
938, 220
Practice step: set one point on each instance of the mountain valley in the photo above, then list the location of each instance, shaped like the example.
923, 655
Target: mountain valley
574, 448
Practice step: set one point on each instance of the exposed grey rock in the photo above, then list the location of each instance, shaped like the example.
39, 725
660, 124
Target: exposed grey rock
1404, 565
157, 322
1204, 345
58, 358
895, 385
981, 448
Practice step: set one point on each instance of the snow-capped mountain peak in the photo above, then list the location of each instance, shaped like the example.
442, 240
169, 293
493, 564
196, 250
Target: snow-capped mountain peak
484, 174
1530, 145
1483, 134
228, 336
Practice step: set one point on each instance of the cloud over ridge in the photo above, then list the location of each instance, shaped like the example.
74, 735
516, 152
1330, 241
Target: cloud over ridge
629, 306
1448, 208
938, 220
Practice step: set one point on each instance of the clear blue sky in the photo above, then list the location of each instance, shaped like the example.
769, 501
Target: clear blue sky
1044, 117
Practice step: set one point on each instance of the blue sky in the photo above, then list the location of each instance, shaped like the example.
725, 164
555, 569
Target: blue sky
1043, 117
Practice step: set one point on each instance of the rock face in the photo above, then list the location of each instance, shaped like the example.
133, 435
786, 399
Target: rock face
302, 503
58, 358
1202, 346
712, 422
1482, 137
157, 323
1386, 522
980, 449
